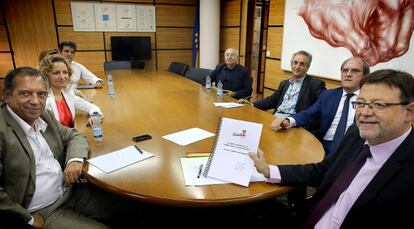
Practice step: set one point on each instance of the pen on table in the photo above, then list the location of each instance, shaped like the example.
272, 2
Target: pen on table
248, 97
139, 150
200, 170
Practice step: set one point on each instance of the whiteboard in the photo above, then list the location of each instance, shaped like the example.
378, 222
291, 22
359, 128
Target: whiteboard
326, 58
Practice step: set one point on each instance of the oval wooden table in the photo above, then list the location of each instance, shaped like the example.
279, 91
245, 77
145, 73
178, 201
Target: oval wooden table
160, 103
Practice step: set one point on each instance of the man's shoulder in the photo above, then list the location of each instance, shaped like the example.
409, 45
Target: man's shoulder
332, 92
314, 80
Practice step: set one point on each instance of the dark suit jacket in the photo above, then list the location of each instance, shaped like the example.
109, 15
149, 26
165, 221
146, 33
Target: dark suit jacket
17, 165
384, 201
322, 112
237, 80
309, 93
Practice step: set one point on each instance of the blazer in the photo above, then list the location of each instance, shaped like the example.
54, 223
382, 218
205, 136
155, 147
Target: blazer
239, 80
73, 101
308, 94
384, 201
17, 163
322, 112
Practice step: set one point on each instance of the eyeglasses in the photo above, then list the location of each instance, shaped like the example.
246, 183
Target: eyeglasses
375, 106
352, 70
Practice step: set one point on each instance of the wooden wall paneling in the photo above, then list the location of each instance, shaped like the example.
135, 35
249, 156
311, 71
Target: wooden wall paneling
229, 38
84, 40
243, 28
31, 29
165, 57
93, 61
109, 34
186, 2
242, 61
230, 13
274, 41
4, 42
175, 16
182, 38
274, 75
277, 12
149, 64
63, 12
6, 63
331, 83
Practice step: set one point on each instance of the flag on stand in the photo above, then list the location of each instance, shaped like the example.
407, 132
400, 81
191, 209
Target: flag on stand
196, 34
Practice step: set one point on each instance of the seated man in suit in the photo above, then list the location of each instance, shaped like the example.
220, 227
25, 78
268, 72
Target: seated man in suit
41, 162
328, 109
365, 183
295, 94
235, 78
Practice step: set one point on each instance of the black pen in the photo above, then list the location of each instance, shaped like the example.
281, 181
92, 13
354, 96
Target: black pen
139, 150
200, 170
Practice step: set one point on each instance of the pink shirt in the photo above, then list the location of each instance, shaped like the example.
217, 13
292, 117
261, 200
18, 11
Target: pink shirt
335, 215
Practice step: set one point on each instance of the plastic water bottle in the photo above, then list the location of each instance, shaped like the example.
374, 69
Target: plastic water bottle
219, 89
208, 82
97, 127
111, 89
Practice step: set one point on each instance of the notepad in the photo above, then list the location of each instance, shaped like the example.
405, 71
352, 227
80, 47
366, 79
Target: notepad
119, 159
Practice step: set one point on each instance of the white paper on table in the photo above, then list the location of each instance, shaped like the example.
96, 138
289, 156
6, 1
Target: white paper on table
119, 159
188, 136
228, 105
191, 167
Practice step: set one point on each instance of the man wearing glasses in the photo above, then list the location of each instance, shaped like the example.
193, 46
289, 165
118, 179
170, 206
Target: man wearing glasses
366, 183
332, 111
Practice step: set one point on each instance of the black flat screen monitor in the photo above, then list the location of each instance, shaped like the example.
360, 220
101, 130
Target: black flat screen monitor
131, 48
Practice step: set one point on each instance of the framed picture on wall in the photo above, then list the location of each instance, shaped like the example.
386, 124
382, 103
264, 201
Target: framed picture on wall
105, 17
146, 19
126, 18
332, 31
83, 16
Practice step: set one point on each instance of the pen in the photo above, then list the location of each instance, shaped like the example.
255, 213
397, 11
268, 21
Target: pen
200, 170
139, 150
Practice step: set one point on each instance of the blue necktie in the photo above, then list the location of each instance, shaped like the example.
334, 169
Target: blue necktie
338, 187
340, 129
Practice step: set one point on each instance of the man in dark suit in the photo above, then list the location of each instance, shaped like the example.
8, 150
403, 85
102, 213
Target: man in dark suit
41, 162
235, 78
373, 194
295, 94
327, 110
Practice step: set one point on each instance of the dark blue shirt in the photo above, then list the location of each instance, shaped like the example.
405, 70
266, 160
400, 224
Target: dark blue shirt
237, 79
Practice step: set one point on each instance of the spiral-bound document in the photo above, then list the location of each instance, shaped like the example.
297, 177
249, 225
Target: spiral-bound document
229, 160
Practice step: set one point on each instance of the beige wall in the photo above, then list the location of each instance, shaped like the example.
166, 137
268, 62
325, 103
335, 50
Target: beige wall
32, 27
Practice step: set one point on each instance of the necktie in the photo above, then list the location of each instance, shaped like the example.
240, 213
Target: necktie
340, 129
342, 183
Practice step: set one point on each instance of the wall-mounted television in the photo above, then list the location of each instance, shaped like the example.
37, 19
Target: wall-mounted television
131, 48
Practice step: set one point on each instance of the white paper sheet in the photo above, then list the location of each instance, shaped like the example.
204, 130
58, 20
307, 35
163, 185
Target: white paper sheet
188, 136
228, 105
191, 167
119, 159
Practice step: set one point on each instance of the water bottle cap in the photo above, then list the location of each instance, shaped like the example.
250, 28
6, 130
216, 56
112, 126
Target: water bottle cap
95, 113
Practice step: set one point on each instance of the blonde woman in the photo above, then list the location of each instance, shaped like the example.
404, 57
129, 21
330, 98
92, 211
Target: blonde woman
61, 99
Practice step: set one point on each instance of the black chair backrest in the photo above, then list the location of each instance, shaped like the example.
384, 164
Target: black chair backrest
199, 75
112, 65
178, 68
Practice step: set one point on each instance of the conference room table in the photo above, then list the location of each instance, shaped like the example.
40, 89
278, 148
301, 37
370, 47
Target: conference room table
160, 103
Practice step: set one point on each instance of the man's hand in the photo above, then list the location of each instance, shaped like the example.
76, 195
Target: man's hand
260, 162
72, 172
244, 101
280, 123
99, 84
38, 222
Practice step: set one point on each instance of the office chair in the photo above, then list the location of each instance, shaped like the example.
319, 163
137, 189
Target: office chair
112, 65
198, 75
178, 68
